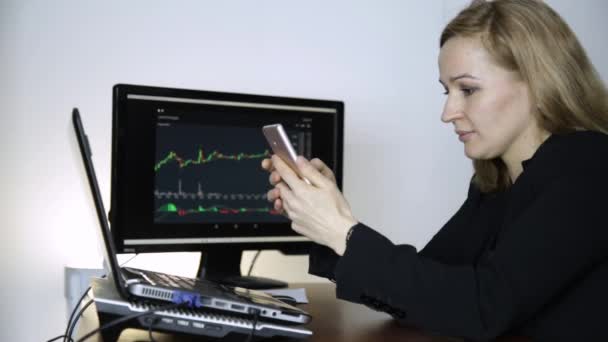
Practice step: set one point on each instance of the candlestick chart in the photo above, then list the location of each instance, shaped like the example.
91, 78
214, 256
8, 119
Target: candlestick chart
208, 174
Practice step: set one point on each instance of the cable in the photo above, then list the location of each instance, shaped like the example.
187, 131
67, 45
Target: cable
73, 325
257, 313
76, 318
56, 338
255, 322
131, 258
255, 258
70, 327
154, 321
128, 318
67, 337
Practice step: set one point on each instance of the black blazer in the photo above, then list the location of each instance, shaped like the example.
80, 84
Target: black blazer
531, 261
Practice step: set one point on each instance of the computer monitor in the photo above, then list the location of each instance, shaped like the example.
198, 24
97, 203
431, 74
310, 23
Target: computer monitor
186, 172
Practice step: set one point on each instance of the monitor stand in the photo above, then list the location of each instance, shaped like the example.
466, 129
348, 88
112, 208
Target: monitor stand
224, 266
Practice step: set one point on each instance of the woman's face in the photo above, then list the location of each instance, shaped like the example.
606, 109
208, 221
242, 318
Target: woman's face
488, 105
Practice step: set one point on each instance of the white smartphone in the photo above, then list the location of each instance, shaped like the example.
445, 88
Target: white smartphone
281, 146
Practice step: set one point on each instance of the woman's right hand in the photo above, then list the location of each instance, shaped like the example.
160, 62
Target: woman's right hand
274, 195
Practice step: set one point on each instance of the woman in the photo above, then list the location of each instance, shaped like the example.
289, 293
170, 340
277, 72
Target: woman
527, 253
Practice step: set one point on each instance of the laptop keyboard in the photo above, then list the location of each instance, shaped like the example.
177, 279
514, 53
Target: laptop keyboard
188, 284
171, 280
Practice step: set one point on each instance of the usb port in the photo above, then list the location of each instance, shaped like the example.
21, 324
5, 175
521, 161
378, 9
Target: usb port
237, 307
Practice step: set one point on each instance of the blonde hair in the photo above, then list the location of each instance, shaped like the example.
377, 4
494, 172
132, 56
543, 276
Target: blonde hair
530, 38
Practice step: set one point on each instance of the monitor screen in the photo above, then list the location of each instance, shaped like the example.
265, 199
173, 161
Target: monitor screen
186, 167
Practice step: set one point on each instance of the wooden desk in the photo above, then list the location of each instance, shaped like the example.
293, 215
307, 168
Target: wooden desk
333, 320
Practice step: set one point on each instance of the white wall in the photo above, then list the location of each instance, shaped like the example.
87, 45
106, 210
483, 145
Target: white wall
405, 173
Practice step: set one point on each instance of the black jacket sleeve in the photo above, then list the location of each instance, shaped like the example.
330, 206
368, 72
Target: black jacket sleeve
322, 261
446, 246
556, 239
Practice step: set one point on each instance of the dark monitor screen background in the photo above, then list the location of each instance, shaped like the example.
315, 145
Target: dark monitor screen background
211, 173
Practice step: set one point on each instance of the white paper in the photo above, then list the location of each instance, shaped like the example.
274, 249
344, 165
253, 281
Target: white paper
299, 294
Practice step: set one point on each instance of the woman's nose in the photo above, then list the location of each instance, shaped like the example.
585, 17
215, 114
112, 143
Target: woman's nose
452, 110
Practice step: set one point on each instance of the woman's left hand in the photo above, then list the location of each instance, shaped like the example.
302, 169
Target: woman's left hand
318, 211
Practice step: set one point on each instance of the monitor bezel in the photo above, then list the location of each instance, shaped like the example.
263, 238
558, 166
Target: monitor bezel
120, 93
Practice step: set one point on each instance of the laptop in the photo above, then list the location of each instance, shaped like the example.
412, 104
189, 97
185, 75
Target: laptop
132, 283
200, 322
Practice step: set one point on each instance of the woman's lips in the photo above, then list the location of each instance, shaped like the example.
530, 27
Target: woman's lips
465, 136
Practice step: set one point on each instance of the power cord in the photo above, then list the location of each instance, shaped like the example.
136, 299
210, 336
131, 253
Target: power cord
255, 258
67, 335
77, 317
130, 317
255, 322
56, 338
153, 323
257, 312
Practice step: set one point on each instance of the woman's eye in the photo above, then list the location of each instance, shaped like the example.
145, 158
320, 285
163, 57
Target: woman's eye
468, 91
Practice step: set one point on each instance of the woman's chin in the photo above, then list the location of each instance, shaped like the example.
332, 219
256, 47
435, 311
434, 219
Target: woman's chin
476, 153
471, 153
